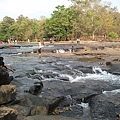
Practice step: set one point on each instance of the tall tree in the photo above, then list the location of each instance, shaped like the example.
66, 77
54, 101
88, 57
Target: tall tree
92, 17
5, 25
60, 25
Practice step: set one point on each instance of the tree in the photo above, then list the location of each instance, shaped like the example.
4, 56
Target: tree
60, 25
4, 28
116, 22
92, 17
41, 27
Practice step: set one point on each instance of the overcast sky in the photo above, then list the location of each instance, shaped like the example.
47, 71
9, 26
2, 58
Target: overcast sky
34, 8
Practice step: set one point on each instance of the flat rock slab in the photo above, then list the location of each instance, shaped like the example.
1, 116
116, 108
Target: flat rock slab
48, 117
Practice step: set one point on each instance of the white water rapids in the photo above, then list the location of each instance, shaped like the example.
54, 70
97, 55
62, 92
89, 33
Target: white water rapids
98, 74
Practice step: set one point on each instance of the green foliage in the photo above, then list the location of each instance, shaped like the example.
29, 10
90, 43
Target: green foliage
5, 26
84, 17
113, 35
60, 25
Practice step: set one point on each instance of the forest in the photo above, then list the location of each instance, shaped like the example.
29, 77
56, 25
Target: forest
84, 19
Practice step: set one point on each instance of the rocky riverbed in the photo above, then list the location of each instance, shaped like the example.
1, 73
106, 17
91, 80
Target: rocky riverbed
83, 84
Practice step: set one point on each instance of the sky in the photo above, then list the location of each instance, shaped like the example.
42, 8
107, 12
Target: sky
34, 9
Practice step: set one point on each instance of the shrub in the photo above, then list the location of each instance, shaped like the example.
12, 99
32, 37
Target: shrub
113, 35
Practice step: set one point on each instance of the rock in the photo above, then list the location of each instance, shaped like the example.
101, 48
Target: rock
108, 63
86, 48
105, 106
8, 113
48, 117
39, 110
7, 93
114, 68
36, 88
64, 78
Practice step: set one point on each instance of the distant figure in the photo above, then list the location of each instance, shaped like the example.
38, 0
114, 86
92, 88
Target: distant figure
28, 40
78, 41
4, 74
9, 41
53, 39
50, 40
72, 49
43, 44
15, 41
39, 49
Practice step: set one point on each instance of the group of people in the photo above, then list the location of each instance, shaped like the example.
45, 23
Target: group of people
4, 73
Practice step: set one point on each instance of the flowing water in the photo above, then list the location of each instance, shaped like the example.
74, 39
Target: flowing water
98, 74
61, 68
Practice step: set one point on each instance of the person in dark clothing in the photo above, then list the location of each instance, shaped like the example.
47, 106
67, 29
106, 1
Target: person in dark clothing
72, 49
1, 59
4, 74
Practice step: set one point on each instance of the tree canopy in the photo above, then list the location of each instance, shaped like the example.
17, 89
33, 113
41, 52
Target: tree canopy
83, 18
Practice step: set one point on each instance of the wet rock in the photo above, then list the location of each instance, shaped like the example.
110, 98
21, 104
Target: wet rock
64, 78
36, 88
50, 75
108, 63
7, 93
77, 91
114, 68
105, 106
73, 112
52, 98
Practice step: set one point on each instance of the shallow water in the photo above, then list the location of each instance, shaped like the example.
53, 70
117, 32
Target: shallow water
63, 67
57, 67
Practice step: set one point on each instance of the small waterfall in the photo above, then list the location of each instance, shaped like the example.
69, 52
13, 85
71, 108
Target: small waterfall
98, 74
60, 51
113, 92
86, 111
70, 100
98, 70
85, 106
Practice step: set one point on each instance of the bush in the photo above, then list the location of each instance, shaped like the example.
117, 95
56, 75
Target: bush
113, 35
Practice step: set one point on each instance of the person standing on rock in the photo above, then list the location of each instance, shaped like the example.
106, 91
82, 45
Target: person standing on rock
39, 49
72, 49
4, 74
78, 41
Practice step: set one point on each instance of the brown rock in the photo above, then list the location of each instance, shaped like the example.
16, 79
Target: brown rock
43, 110
8, 113
108, 63
7, 93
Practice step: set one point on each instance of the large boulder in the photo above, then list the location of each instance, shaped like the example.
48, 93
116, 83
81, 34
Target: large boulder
7, 93
105, 106
8, 113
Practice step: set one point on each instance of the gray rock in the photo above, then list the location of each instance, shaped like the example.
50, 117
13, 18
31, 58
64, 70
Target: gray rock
105, 106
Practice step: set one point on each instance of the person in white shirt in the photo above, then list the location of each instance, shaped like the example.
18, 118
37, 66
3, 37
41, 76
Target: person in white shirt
39, 48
